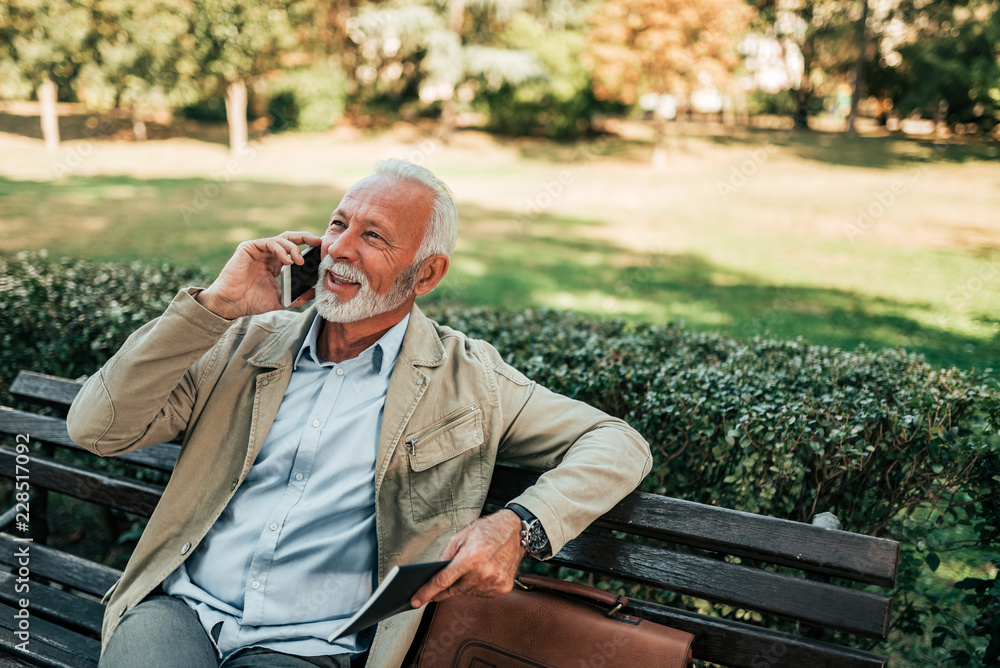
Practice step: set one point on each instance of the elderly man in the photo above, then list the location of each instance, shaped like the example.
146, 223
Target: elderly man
324, 447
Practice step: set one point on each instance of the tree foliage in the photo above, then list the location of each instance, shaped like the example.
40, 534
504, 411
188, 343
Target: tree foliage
141, 57
664, 46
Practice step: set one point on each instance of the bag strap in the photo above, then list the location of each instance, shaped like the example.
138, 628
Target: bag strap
612, 601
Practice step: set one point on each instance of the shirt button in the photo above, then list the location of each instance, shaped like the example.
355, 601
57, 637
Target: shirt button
274, 527
235, 482
255, 584
315, 423
299, 476
185, 548
122, 611
420, 380
265, 382
340, 371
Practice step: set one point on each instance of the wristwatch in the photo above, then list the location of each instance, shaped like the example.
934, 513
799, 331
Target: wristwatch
533, 538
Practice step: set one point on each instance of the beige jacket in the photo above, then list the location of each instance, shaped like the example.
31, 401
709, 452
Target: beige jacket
220, 382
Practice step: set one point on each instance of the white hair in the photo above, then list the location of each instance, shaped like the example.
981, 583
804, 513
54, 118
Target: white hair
442, 227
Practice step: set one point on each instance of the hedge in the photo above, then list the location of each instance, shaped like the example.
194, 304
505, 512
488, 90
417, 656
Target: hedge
890, 444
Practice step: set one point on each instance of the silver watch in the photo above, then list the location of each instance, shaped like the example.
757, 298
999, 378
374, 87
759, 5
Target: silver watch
533, 538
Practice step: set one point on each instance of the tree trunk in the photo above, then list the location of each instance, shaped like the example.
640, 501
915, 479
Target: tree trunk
456, 17
803, 94
659, 138
447, 126
859, 69
47, 93
236, 113
138, 125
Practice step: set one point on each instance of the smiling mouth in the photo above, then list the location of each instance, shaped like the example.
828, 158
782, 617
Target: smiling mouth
337, 279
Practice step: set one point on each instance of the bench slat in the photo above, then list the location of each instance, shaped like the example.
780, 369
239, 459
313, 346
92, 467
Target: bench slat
64, 568
46, 429
805, 600
74, 612
42, 388
784, 542
50, 645
130, 496
739, 645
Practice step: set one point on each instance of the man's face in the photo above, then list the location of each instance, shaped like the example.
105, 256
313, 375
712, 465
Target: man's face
369, 249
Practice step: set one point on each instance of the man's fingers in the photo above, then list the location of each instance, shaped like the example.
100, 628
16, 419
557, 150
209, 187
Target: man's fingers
441, 581
301, 238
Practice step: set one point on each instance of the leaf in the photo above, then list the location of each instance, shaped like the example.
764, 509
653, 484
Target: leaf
933, 561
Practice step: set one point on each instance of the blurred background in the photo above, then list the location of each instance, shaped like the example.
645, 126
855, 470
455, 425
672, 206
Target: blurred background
785, 179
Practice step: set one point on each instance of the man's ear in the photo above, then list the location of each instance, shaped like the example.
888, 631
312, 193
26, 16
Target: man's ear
432, 270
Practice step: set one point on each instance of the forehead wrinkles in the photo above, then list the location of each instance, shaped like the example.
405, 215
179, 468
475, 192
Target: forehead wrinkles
376, 193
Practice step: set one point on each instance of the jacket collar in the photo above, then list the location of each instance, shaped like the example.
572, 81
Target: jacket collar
279, 349
421, 343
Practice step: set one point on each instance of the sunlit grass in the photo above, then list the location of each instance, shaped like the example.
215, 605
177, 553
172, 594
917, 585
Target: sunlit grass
785, 253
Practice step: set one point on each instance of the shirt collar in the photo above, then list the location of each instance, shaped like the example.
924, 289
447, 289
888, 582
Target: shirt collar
385, 352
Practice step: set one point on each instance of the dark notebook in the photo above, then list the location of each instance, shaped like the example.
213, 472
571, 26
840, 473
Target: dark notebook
392, 596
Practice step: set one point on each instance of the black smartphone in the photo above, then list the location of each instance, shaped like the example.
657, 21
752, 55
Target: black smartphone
296, 279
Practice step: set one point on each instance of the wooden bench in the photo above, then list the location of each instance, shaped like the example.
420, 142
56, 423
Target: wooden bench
799, 574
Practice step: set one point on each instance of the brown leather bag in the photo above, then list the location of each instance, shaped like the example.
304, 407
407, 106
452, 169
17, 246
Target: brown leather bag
550, 624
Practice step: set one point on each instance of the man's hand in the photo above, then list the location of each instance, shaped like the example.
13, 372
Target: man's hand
247, 284
484, 560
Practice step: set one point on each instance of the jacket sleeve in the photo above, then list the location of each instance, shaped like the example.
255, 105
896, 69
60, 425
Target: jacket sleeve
593, 460
145, 393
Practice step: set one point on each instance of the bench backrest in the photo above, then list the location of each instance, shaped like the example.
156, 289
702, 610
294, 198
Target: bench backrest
727, 557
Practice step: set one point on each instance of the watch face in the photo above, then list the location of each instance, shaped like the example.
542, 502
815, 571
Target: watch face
536, 539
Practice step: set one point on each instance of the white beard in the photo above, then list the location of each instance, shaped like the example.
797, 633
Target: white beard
366, 303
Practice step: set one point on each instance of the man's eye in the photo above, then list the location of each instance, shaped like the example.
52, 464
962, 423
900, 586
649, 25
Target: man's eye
374, 235
336, 223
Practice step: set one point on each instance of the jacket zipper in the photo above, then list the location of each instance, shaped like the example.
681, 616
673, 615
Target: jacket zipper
412, 440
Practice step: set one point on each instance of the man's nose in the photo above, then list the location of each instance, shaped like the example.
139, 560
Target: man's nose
344, 246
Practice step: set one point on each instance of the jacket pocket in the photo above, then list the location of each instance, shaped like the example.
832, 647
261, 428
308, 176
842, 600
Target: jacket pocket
446, 464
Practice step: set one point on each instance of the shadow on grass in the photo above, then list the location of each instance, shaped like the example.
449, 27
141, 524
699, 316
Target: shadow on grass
882, 152
498, 262
113, 126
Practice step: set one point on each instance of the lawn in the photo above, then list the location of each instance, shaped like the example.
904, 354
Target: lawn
879, 241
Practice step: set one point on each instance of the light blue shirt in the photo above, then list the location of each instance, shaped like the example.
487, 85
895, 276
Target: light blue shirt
294, 553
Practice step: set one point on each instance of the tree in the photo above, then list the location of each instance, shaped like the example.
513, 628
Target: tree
945, 63
824, 32
47, 38
235, 41
411, 46
663, 47
142, 58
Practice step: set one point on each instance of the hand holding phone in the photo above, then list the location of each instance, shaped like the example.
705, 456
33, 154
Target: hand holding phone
296, 279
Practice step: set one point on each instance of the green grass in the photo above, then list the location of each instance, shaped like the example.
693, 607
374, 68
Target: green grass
784, 252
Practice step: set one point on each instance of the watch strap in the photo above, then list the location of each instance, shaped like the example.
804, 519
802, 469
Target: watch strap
522, 512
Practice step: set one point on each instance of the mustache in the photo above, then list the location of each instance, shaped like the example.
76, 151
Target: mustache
344, 270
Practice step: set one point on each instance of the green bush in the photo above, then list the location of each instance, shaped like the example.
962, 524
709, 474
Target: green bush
66, 317
309, 99
891, 445
559, 105
781, 103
